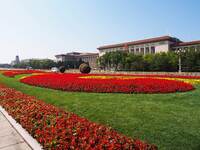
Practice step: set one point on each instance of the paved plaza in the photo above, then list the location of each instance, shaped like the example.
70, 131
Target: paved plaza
10, 139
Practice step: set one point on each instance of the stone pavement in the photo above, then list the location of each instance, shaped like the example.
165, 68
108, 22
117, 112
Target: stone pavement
10, 139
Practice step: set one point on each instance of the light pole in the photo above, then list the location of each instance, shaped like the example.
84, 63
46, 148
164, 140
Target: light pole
179, 51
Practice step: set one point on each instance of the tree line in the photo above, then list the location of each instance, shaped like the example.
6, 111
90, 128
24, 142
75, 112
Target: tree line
164, 61
47, 64
36, 64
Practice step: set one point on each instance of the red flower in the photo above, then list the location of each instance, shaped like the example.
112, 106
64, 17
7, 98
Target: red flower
12, 73
58, 129
75, 83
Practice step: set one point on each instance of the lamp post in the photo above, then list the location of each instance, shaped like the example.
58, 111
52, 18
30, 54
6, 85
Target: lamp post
179, 63
179, 51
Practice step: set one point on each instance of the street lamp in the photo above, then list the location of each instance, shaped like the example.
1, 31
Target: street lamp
179, 51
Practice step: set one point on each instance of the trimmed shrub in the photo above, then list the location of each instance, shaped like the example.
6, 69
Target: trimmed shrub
62, 69
84, 68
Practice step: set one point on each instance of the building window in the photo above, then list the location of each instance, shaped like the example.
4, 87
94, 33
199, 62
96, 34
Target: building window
147, 50
137, 50
142, 51
132, 50
152, 50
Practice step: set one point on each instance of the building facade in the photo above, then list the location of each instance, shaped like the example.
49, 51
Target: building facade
195, 45
150, 46
90, 58
75, 57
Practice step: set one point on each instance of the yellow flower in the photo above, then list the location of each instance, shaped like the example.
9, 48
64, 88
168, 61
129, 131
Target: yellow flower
191, 81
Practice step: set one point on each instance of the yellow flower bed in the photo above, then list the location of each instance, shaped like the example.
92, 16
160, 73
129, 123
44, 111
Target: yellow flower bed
191, 81
110, 77
33, 74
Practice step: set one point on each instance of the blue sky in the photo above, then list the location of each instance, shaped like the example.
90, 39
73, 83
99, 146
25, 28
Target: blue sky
43, 28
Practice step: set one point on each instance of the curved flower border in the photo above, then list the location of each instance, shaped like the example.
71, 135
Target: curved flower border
57, 129
13, 73
83, 83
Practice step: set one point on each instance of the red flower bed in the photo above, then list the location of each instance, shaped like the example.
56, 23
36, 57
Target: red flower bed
57, 129
75, 82
13, 73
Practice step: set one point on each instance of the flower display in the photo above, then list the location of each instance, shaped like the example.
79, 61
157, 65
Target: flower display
187, 79
13, 73
107, 84
54, 128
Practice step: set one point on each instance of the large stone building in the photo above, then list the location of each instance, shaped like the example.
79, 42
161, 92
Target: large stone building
150, 46
90, 58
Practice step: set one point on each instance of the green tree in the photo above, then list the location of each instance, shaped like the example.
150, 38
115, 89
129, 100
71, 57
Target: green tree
151, 62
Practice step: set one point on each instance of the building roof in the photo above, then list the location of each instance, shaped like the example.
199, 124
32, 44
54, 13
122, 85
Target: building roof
76, 54
150, 40
60, 55
88, 54
69, 54
188, 43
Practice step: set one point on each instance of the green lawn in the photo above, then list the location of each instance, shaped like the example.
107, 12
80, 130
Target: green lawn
171, 121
